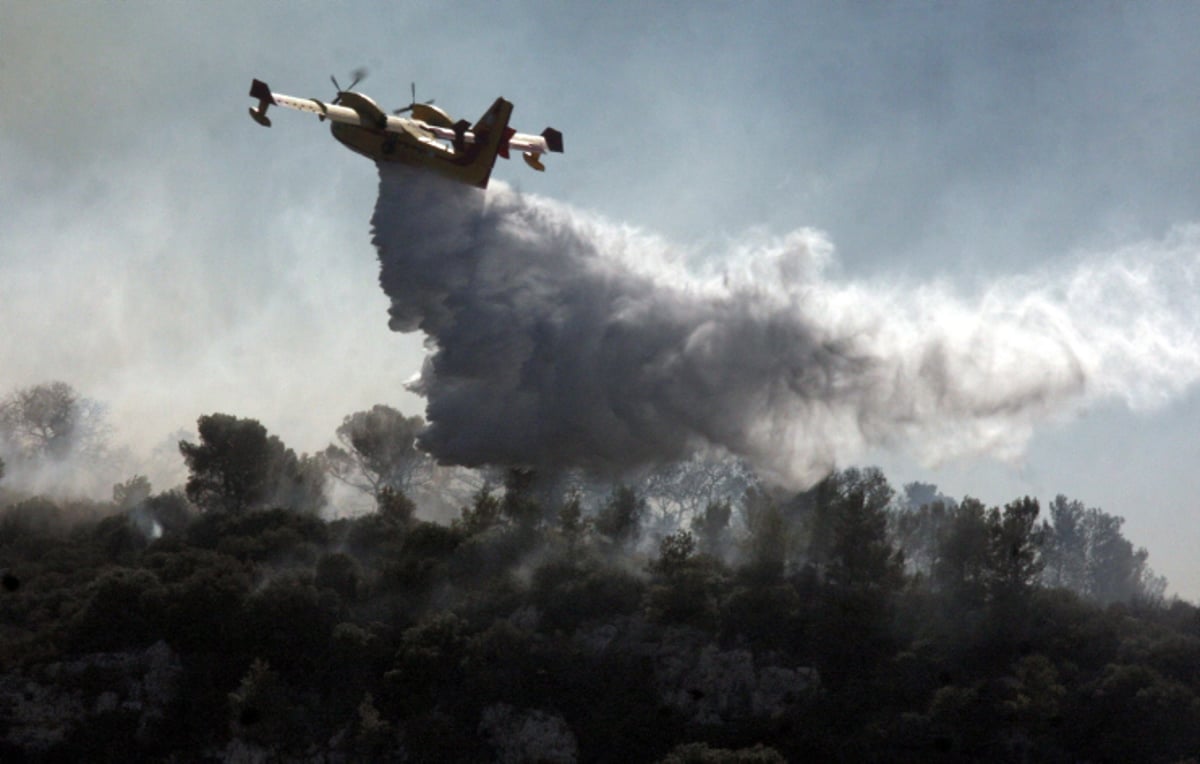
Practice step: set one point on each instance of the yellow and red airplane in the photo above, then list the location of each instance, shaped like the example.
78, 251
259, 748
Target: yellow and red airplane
428, 139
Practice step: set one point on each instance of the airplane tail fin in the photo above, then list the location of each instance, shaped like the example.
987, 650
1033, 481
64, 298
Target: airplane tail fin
259, 90
491, 134
553, 139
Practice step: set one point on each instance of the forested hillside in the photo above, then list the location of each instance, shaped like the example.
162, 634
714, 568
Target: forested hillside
694, 615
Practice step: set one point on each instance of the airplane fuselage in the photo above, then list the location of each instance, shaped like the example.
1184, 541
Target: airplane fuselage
383, 146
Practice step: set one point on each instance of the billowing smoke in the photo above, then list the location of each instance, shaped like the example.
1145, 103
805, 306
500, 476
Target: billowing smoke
561, 341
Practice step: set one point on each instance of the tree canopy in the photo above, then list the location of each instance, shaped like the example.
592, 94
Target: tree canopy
378, 449
237, 466
848, 621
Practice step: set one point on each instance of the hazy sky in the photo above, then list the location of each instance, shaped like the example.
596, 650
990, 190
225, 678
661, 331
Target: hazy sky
167, 256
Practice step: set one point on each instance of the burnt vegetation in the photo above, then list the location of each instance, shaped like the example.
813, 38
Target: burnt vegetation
694, 616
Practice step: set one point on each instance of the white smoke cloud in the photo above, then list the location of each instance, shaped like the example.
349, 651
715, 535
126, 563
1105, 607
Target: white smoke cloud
558, 340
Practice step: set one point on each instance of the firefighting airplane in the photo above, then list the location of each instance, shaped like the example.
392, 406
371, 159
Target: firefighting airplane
428, 139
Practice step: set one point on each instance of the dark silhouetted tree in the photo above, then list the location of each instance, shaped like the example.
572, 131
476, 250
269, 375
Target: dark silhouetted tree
170, 509
1116, 572
519, 506
125, 609
768, 537
919, 530
394, 507
620, 519
236, 466
818, 511
374, 737
917, 494
675, 552
297, 482
340, 573
262, 709
571, 525
483, 513
712, 528
861, 555
1131, 712
132, 492
428, 661
960, 566
1084, 551
1065, 547
289, 623
686, 587
861, 575
1014, 549
230, 466
812, 512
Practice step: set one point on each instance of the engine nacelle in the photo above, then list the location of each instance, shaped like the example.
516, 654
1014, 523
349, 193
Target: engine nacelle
368, 111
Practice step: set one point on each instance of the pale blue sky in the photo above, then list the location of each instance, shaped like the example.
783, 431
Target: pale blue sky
164, 254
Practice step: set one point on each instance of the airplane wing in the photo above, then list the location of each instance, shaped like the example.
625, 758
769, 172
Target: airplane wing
549, 140
364, 113
531, 146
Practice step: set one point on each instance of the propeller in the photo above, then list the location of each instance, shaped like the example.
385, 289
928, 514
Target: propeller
358, 74
413, 102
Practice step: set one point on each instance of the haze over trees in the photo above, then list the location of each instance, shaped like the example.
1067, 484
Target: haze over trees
696, 615
378, 449
53, 438
51, 421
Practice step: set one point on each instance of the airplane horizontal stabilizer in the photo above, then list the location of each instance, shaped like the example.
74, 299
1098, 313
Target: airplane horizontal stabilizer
532, 160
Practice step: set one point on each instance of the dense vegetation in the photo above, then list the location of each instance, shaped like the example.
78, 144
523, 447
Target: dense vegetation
673, 621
